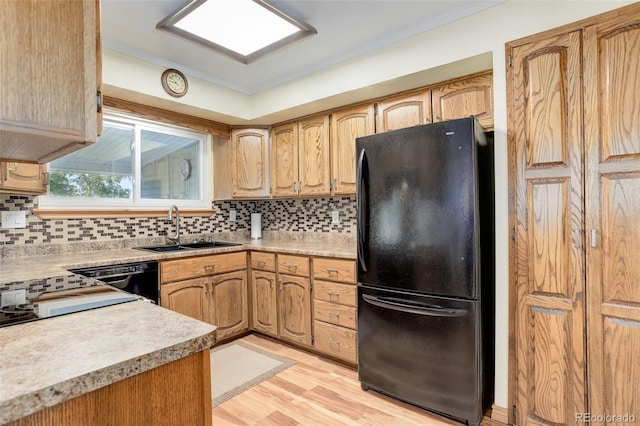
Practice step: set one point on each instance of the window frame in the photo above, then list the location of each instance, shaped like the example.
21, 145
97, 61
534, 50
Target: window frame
134, 203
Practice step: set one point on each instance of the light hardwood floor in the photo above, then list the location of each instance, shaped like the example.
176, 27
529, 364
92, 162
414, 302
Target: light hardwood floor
317, 391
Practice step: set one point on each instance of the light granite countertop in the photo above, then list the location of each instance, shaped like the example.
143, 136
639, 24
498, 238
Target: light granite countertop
43, 363
38, 266
46, 362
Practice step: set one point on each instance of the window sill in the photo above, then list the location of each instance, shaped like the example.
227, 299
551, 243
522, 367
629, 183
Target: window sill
119, 213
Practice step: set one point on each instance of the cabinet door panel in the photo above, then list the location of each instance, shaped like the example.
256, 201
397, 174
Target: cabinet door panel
294, 303
284, 160
265, 312
346, 126
249, 158
403, 111
612, 159
231, 308
313, 149
462, 98
23, 178
546, 120
186, 297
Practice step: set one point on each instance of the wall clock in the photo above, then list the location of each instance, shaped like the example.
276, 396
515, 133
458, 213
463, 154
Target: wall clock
174, 82
185, 169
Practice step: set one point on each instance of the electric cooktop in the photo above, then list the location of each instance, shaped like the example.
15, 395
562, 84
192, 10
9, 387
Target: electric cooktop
61, 295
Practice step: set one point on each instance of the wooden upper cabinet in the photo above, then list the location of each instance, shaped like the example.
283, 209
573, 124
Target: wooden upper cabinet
546, 124
250, 163
300, 158
284, 160
23, 178
313, 151
407, 110
464, 97
612, 161
48, 102
346, 126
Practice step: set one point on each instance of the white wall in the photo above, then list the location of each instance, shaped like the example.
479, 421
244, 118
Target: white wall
413, 62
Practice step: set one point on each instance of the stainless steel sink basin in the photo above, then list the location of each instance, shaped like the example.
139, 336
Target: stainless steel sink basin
188, 246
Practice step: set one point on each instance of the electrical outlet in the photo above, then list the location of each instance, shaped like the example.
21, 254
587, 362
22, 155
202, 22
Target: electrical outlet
14, 219
335, 216
232, 215
13, 297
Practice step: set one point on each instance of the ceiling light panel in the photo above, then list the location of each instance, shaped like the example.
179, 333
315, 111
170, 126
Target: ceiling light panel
242, 29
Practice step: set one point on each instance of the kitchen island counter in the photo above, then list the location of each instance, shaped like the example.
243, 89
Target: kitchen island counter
44, 363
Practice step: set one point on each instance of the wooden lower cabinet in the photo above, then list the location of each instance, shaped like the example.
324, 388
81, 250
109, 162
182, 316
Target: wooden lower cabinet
177, 393
186, 297
210, 288
338, 342
335, 315
229, 309
281, 301
294, 312
264, 300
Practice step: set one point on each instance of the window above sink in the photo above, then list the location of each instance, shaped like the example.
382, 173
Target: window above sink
136, 163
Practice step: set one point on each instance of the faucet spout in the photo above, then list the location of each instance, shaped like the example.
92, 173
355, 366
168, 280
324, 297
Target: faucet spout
175, 238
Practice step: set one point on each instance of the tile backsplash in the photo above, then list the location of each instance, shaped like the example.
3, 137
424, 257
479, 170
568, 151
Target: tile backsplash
296, 215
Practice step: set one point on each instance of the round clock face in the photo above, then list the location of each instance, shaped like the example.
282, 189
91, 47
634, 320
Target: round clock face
185, 169
174, 83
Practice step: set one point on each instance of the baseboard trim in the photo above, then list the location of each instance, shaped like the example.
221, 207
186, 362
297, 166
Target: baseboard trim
500, 414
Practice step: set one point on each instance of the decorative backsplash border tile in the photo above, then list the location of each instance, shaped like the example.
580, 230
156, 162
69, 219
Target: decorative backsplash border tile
292, 215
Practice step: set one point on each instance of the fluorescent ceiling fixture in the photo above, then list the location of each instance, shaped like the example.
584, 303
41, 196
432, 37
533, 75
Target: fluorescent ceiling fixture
242, 29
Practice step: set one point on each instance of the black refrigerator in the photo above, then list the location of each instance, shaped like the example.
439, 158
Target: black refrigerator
425, 225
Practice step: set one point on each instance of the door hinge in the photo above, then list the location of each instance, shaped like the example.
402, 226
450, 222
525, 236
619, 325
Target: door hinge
513, 234
514, 412
313, 339
311, 287
510, 61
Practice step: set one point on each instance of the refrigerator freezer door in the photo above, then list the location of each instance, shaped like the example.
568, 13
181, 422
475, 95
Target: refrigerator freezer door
422, 350
417, 203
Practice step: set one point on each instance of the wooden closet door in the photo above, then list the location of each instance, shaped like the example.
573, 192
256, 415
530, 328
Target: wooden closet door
549, 327
612, 124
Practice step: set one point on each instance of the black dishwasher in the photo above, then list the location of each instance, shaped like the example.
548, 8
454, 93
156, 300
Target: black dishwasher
137, 278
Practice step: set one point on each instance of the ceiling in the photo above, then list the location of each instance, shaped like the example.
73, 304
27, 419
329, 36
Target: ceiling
346, 29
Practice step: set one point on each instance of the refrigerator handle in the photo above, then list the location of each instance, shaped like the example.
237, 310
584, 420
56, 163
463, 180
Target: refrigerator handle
413, 308
360, 187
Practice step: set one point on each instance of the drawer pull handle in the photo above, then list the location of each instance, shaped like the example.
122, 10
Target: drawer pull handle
332, 271
209, 268
331, 314
292, 266
261, 262
333, 293
333, 341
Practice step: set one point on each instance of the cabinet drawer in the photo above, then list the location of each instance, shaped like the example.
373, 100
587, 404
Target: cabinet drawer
336, 341
334, 313
293, 265
263, 261
180, 269
334, 269
344, 294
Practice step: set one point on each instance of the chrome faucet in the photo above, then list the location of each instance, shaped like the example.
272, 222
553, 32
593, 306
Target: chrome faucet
175, 238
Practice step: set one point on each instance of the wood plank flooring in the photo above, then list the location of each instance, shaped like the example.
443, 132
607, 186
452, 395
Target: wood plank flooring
317, 391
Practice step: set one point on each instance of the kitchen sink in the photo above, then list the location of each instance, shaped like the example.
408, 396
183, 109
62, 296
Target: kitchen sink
189, 246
